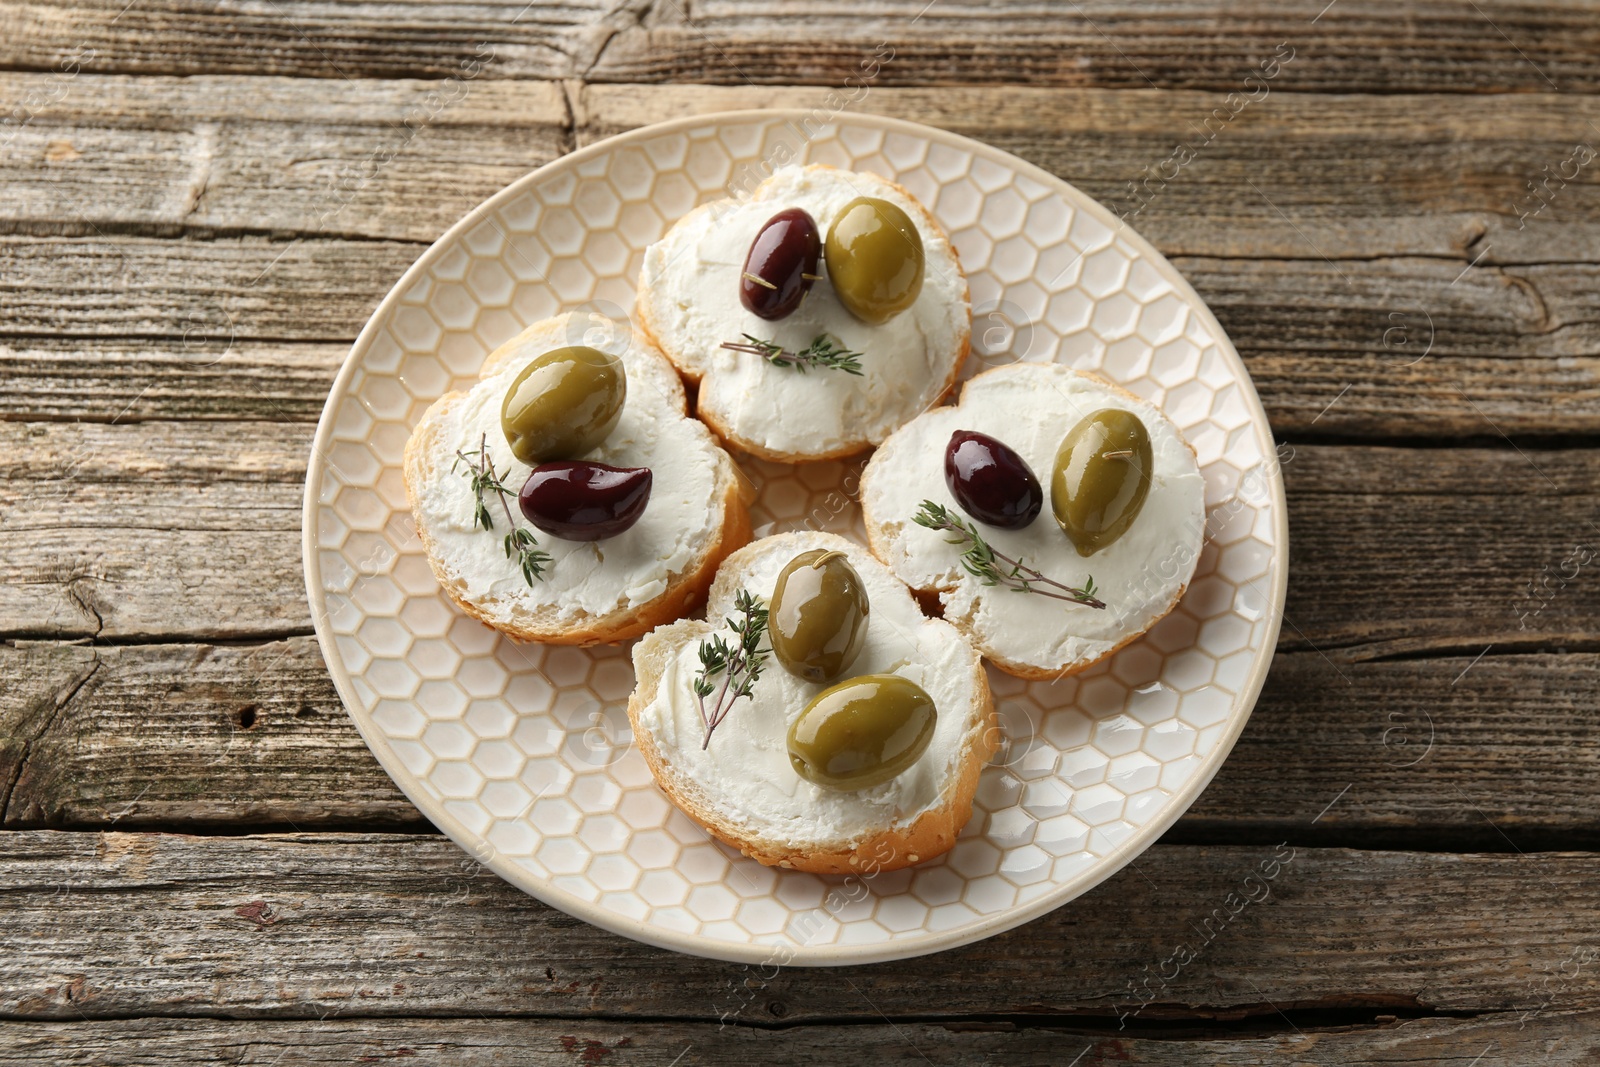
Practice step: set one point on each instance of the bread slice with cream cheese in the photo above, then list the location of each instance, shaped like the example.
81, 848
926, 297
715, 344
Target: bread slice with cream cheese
592, 592
740, 785
1140, 576
689, 305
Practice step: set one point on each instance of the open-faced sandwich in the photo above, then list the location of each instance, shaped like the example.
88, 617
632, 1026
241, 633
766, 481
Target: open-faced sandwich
1052, 516
817, 315
567, 497
853, 744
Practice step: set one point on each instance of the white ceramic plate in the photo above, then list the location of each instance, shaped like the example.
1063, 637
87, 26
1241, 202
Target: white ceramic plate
521, 753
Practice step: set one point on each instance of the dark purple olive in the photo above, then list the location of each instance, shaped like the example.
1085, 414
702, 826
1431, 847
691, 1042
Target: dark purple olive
781, 265
581, 501
990, 481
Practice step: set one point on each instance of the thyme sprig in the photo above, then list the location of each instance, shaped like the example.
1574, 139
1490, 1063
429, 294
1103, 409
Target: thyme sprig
531, 559
822, 352
738, 662
519, 544
980, 560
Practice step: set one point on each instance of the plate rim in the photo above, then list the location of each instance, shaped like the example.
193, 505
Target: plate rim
755, 950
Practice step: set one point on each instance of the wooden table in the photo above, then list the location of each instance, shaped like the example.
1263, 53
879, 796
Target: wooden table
201, 863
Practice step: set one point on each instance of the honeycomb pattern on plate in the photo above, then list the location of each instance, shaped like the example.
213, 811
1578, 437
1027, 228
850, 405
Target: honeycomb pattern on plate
522, 752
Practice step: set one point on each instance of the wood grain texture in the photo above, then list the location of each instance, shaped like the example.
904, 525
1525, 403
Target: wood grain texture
1401, 550
1556, 1039
408, 38
302, 926
207, 529
1438, 750
196, 216
210, 155
1510, 348
1401, 348
226, 290
1129, 46
207, 375
190, 736
1358, 45
193, 737
1359, 176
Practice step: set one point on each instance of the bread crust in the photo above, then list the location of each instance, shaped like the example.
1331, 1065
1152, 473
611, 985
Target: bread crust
929, 595
931, 834
684, 593
1034, 673
646, 325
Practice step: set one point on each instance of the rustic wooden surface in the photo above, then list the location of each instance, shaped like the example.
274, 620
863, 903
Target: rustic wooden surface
201, 863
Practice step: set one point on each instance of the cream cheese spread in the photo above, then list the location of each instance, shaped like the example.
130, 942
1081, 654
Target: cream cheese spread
691, 279
745, 771
1030, 407
583, 578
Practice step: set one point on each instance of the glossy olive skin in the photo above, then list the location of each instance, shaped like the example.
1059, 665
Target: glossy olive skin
1101, 479
817, 621
580, 501
784, 256
862, 732
990, 481
875, 259
563, 404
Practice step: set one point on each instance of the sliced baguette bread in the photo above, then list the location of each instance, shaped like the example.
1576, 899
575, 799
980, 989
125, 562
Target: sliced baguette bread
1140, 576
741, 786
596, 591
689, 304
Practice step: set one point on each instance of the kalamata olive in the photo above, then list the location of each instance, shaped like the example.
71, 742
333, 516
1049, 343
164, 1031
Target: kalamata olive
1101, 479
563, 404
990, 481
781, 265
817, 621
875, 259
862, 732
581, 501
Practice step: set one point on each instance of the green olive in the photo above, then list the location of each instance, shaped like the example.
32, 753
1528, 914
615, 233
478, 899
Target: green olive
818, 618
1101, 478
862, 732
563, 404
875, 260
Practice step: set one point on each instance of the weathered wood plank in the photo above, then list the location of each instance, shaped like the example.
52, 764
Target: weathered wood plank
155, 102
185, 737
406, 159
206, 529
208, 375
1358, 45
200, 736
1361, 47
1520, 343
1558, 1040
1424, 347
1418, 752
426, 39
209, 542
301, 926
398, 160
246, 288
1016, 110
1511, 541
